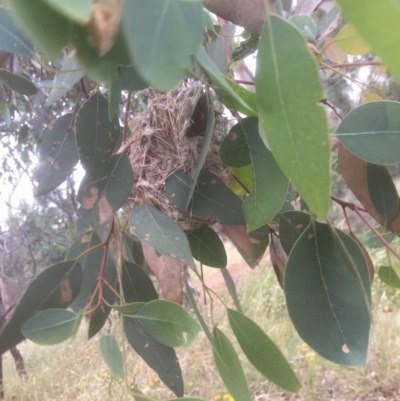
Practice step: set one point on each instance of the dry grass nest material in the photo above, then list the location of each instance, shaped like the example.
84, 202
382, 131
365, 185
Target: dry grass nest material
165, 139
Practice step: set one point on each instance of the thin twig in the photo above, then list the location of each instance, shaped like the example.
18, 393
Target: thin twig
354, 64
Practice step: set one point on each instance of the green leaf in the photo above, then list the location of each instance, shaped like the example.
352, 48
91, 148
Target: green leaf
234, 150
158, 356
231, 286
52, 36
229, 367
372, 132
222, 85
328, 300
291, 225
128, 79
58, 155
307, 25
50, 327
371, 240
129, 309
136, 284
69, 74
270, 183
100, 309
100, 68
207, 247
377, 22
262, 352
288, 90
168, 323
389, 276
133, 250
101, 198
96, 136
382, 191
161, 233
350, 41
12, 40
112, 355
162, 37
90, 263
211, 197
17, 83
55, 287
76, 10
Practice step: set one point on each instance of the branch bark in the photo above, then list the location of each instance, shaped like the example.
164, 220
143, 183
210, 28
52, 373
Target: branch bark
249, 14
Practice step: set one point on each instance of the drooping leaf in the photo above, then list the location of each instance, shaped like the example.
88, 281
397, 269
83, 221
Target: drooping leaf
101, 198
158, 356
129, 309
229, 367
210, 198
69, 74
288, 90
204, 149
75, 10
262, 352
389, 276
168, 323
55, 287
133, 249
168, 271
234, 150
354, 172
112, 355
136, 284
162, 37
231, 286
251, 246
337, 324
370, 264
207, 247
221, 84
307, 25
128, 79
377, 22
371, 240
241, 180
333, 52
278, 259
100, 309
12, 39
58, 155
90, 263
160, 232
17, 83
50, 327
101, 66
96, 136
372, 132
270, 183
52, 36
382, 190
291, 226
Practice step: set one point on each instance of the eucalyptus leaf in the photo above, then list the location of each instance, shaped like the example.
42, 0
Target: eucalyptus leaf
50, 327
306, 24
371, 240
337, 326
112, 355
17, 83
389, 276
162, 36
291, 225
234, 150
160, 232
372, 132
288, 90
262, 352
75, 10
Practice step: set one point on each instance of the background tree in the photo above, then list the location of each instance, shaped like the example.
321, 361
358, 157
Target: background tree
149, 98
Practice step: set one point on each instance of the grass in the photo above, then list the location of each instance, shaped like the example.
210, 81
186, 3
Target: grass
75, 370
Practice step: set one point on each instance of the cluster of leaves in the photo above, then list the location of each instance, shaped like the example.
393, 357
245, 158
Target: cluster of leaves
278, 155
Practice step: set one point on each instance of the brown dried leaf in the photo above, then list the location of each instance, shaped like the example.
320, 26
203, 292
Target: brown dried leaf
278, 259
104, 24
169, 273
354, 172
243, 242
371, 267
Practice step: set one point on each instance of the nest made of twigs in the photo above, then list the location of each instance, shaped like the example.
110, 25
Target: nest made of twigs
168, 136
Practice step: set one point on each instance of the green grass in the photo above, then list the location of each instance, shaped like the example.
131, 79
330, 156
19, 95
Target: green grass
75, 369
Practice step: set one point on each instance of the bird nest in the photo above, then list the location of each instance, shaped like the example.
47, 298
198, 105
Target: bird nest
168, 136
